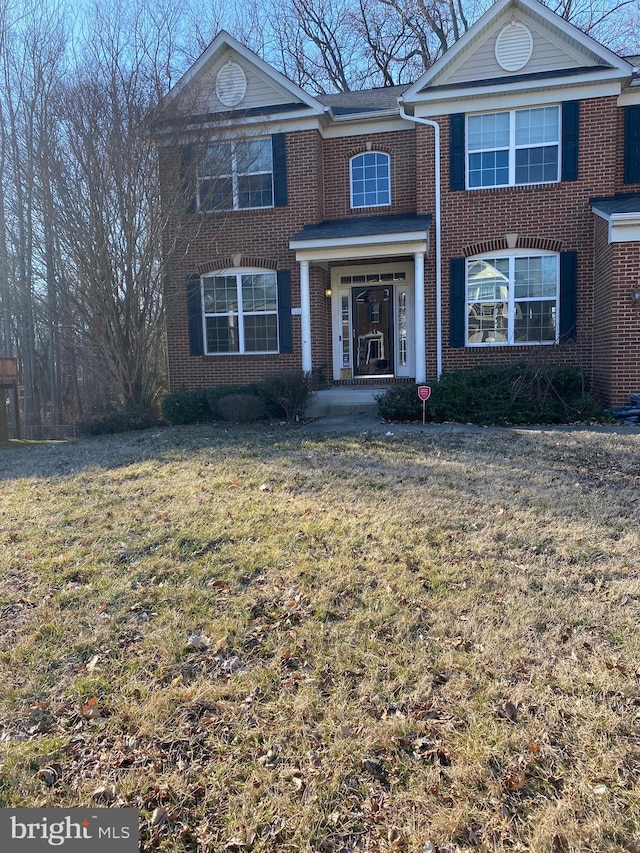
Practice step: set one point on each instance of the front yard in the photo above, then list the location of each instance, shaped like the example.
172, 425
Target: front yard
272, 641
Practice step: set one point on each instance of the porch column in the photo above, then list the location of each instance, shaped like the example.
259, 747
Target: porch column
305, 316
420, 348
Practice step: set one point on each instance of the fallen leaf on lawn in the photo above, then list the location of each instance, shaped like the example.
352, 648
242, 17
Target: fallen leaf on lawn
515, 780
159, 816
242, 842
511, 711
48, 775
105, 793
91, 709
92, 663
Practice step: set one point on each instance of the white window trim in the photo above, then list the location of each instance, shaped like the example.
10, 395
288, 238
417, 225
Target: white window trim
238, 272
512, 148
235, 175
512, 255
363, 206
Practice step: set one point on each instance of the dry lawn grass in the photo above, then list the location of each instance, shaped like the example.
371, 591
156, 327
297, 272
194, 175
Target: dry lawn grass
278, 642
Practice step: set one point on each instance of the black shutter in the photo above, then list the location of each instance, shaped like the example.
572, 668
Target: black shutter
194, 315
188, 178
284, 311
632, 144
457, 302
279, 152
568, 296
456, 151
570, 134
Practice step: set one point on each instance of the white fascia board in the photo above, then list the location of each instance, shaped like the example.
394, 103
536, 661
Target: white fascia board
490, 98
357, 250
364, 240
623, 227
630, 97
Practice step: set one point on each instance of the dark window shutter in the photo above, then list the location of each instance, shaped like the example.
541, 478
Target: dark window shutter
284, 311
457, 302
456, 151
188, 178
194, 315
279, 152
570, 134
632, 144
568, 296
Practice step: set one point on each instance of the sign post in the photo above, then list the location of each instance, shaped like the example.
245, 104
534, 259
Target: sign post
424, 392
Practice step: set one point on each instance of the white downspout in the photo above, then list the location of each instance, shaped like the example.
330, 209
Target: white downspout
436, 127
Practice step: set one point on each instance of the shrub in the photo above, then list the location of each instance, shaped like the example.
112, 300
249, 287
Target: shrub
186, 407
241, 408
119, 419
256, 389
292, 390
498, 394
400, 403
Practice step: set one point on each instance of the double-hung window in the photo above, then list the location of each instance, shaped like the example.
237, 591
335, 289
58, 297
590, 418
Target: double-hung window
236, 175
513, 147
240, 312
512, 299
370, 179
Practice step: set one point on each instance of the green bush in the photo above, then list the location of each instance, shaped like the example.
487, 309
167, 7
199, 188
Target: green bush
186, 407
498, 394
291, 390
256, 389
119, 419
400, 403
241, 408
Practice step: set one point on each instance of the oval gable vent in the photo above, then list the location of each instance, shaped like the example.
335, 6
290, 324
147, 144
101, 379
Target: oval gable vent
231, 84
514, 46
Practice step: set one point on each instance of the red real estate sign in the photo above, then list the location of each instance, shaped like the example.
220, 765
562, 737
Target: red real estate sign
424, 392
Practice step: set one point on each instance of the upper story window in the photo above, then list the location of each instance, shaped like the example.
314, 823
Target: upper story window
515, 147
240, 312
370, 180
512, 299
236, 175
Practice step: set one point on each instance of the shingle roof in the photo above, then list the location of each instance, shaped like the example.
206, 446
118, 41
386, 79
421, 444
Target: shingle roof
365, 226
624, 203
366, 101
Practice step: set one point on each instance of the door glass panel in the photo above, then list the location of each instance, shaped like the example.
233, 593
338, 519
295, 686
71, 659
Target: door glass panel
373, 325
402, 328
345, 332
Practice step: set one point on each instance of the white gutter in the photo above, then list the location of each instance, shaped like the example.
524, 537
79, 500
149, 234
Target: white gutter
436, 127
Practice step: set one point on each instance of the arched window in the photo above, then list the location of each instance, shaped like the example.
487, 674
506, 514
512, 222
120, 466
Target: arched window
370, 179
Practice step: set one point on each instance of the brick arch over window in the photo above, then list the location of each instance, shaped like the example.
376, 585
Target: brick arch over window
367, 148
242, 261
499, 244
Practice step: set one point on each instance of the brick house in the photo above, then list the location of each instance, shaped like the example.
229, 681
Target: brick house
488, 213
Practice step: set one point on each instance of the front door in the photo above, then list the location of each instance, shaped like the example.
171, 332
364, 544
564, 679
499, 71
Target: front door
373, 344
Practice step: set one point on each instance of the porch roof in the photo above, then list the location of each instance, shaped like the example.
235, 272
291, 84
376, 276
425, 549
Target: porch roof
363, 236
622, 213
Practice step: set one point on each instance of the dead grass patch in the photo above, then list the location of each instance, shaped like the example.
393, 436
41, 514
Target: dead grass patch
350, 643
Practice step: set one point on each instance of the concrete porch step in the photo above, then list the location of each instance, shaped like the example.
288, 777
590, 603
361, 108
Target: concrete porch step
349, 400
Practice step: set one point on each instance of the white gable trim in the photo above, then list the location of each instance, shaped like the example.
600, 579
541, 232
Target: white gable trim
529, 8
222, 42
623, 227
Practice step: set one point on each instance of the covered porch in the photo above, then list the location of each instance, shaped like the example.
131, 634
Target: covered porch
377, 293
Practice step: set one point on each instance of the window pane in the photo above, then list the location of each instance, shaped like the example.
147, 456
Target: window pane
255, 191
488, 131
222, 334
370, 184
216, 160
259, 292
489, 169
537, 126
488, 279
536, 277
535, 165
216, 194
261, 333
221, 295
253, 156
535, 322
